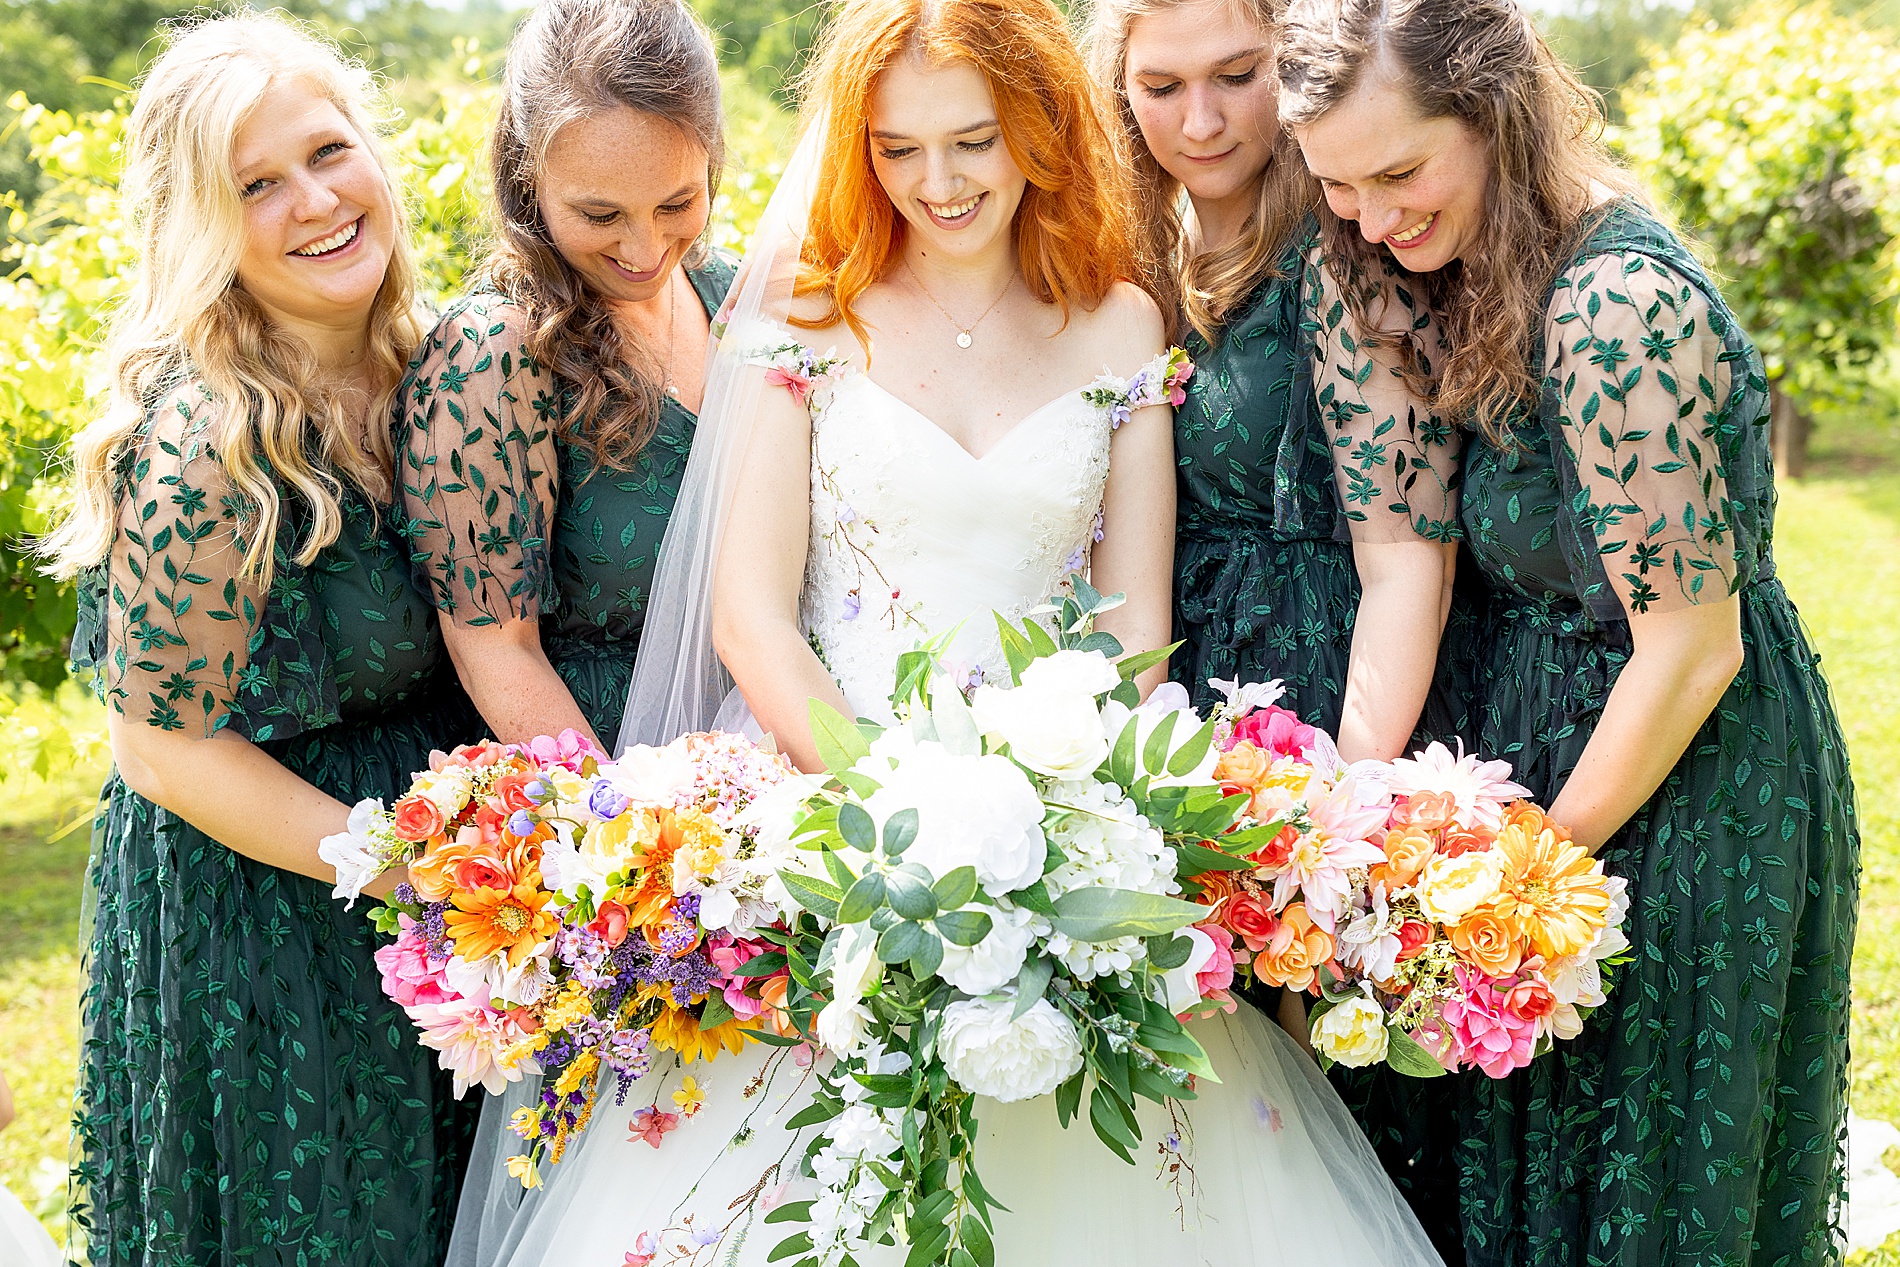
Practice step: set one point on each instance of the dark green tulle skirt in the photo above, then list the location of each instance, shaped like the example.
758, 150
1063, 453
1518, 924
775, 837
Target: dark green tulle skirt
247, 1095
1700, 1117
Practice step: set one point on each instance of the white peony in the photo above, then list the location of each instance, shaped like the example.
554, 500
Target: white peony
647, 775
1451, 888
1177, 987
842, 1027
993, 962
354, 852
987, 1053
1352, 1034
448, 788
980, 812
1170, 699
1051, 722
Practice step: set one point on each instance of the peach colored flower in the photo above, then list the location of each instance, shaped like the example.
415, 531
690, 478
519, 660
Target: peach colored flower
1414, 936
511, 791
1488, 940
1293, 958
610, 922
418, 819
1250, 915
1427, 811
469, 862
1407, 850
1462, 840
1242, 768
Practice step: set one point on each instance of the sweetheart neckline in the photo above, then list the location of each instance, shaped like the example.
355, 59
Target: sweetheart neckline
1019, 425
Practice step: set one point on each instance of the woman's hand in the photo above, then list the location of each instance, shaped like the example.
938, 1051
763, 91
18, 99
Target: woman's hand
1404, 588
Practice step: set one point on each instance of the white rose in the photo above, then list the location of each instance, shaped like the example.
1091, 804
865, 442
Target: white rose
647, 775
354, 852
1170, 699
987, 1053
977, 812
1451, 888
448, 789
1051, 722
1353, 1034
843, 1027
1177, 987
993, 962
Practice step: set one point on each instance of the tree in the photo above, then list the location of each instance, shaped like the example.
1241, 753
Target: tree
1777, 140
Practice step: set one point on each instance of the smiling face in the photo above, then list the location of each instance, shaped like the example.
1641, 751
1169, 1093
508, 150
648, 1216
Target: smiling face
1196, 79
937, 148
319, 221
624, 196
1415, 184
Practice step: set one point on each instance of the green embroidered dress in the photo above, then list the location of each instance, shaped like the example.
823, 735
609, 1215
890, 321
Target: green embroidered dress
1273, 484
247, 1095
510, 517
1699, 1119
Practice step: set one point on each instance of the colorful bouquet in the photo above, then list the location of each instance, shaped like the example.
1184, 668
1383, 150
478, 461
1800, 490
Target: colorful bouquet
1443, 923
566, 915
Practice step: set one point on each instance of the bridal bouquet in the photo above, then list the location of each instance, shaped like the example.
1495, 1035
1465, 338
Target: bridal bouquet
566, 914
1444, 923
997, 888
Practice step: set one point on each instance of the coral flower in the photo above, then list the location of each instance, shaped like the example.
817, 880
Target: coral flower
1427, 811
1407, 850
1250, 916
1552, 889
1489, 940
652, 1125
678, 1030
418, 819
1241, 768
445, 866
1292, 959
506, 922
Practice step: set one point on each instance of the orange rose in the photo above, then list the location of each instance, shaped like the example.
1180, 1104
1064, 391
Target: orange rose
1293, 958
1531, 1000
1241, 768
468, 862
610, 922
1277, 852
511, 791
1217, 887
1249, 915
1427, 811
1414, 936
418, 819
1532, 819
1489, 941
1407, 850
1458, 841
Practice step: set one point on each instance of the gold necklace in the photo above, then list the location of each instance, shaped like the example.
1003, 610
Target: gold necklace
963, 332
672, 322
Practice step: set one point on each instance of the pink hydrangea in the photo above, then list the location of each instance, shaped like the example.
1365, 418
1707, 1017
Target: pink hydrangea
1276, 730
1487, 1030
408, 976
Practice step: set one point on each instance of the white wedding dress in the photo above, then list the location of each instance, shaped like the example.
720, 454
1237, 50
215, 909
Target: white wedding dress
910, 535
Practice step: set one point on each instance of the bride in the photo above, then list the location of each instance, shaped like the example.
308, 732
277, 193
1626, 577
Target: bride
907, 426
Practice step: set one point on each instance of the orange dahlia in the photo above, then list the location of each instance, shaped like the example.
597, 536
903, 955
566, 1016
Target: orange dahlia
509, 922
1551, 889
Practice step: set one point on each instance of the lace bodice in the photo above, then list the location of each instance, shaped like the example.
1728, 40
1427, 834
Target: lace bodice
911, 536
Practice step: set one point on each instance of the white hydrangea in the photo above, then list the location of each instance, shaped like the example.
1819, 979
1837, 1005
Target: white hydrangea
1108, 844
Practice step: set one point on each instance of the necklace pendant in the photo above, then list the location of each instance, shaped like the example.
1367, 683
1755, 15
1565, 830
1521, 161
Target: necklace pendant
963, 338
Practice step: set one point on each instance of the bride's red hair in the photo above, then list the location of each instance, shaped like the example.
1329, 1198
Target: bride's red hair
1073, 232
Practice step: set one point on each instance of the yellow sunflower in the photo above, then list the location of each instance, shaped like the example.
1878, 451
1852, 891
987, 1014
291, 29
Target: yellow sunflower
678, 1030
508, 922
1551, 889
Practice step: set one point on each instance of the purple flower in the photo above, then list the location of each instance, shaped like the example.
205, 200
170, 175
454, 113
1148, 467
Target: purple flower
845, 513
521, 823
1074, 562
852, 605
1096, 531
536, 791
605, 802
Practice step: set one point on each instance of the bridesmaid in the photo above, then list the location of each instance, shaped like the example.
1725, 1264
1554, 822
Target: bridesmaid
549, 415
1642, 666
246, 1092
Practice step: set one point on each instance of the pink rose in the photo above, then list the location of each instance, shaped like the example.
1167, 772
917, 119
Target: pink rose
1275, 729
1485, 1029
610, 923
418, 819
1216, 976
408, 977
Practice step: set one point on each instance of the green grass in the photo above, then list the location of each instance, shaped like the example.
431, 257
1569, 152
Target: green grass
1838, 547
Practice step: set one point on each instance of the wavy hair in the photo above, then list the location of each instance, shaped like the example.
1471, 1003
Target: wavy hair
1200, 287
274, 418
1073, 233
1483, 63
570, 59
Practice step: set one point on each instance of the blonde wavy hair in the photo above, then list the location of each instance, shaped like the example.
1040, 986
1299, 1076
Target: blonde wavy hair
1201, 287
275, 420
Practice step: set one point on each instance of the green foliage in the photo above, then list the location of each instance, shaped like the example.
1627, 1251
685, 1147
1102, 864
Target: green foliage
1777, 141
768, 39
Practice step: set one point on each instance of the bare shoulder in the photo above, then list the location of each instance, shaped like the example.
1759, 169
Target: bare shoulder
1125, 330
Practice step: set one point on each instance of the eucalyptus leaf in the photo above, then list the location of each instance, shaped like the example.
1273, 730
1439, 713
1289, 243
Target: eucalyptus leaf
964, 928
1405, 1055
816, 896
900, 831
929, 957
1103, 914
956, 889
1032, 982
902, 941
863, 899
909, 896
855, 825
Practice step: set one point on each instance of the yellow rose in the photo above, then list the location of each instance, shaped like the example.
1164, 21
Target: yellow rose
1451, 888
1352, 1034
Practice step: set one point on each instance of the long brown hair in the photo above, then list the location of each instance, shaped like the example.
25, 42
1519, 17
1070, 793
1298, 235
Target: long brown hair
275, 416
1202, 287
569, 59
1072, 228
1483, 63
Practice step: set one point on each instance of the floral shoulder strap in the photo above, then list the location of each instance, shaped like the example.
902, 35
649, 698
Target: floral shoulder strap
1159, 382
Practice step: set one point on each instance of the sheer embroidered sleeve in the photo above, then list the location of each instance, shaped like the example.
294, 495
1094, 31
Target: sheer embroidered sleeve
479, 465
1638, 377
1395, 462
182, 625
